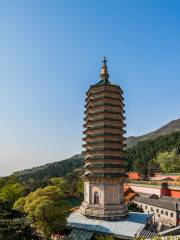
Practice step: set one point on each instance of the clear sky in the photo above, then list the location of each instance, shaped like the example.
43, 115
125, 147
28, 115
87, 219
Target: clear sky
51, 51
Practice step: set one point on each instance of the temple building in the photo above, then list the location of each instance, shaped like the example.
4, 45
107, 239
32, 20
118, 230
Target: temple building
104, 156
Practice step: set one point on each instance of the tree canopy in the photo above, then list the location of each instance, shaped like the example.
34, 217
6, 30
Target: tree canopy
139, 157
46, 208
12, 192
168, 162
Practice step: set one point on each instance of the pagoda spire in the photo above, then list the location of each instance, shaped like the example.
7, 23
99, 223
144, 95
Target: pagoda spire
104, 71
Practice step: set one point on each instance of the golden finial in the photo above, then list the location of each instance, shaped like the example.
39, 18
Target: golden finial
104, 71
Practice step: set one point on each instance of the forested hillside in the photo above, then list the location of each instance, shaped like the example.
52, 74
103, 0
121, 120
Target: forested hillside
169, 128
139, 158
55, 169
142, 157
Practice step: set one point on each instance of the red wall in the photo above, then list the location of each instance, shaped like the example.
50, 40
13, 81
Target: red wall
160, 176
175, 193
157, 190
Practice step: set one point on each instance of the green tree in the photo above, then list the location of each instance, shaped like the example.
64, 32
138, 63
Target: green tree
19, 204
13, 179
11, 192
2, 182
50, 216
70, 184
80, 186
140, 157
46, 208
169, 161
60, 182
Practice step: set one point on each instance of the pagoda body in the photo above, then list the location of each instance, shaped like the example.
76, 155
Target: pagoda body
104, 156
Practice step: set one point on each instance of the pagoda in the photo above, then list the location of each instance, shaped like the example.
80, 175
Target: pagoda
105, 171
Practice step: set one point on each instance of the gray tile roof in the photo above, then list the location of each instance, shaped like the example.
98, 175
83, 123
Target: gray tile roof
128, 226
77, 234
162, 203
167, 198
147, 195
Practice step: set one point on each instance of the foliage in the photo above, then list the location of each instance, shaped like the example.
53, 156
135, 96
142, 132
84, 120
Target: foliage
6, 211
46, 208
13, 225
72, 186
80, 186
72, 183
169, 128
168, 161
19, 229
33, 184
139, 158
13, 179
2, 182
11, 192
20, 203
51, 170
63, 185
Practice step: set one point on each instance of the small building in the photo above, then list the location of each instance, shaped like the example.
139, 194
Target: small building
162, 178
170, 176
129, 194
134, 176
165, 210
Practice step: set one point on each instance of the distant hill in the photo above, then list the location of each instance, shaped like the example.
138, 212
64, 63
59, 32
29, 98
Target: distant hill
64, 167
171, 127
142, 157
50, 170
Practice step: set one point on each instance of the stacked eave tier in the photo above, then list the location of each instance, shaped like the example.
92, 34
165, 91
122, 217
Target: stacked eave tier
104, 141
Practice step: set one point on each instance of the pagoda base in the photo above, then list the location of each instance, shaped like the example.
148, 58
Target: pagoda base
113, 211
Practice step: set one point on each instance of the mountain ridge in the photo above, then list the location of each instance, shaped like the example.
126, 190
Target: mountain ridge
57, 169
168, 128
64, 167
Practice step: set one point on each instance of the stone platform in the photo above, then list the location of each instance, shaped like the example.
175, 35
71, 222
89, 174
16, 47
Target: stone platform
127, 227
104, 212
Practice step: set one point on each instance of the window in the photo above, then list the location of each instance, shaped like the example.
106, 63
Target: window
145, 207
96, 198
166, 213
151, 209
162, 212
157, 210
172, 214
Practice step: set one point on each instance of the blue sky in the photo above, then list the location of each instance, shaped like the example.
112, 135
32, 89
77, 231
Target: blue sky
51, 51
